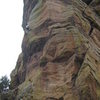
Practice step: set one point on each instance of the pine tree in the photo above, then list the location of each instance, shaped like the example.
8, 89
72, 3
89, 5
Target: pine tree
4, 84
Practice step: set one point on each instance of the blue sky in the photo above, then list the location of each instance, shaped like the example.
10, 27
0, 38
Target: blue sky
11, 34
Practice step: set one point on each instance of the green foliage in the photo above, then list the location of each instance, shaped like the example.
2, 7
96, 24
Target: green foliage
4, 83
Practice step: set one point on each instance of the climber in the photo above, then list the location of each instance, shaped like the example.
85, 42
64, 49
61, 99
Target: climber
27, 29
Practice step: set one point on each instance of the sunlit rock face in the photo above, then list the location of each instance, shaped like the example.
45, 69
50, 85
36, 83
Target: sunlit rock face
60, 57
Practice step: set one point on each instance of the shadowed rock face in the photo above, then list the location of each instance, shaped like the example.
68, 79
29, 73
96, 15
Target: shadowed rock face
60, 57
87, 1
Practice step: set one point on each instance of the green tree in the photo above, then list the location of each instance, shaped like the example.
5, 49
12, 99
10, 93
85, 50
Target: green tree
4, 83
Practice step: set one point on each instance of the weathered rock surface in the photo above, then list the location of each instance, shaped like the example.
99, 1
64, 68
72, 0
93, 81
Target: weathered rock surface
60, 57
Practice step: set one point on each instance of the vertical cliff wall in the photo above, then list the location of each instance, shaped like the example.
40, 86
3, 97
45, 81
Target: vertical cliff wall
60, 57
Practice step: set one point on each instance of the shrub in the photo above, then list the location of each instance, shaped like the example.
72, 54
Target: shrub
4, 84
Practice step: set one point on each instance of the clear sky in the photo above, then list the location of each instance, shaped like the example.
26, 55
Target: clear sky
11, 34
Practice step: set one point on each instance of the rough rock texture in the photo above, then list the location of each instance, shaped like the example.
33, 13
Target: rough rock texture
60, 57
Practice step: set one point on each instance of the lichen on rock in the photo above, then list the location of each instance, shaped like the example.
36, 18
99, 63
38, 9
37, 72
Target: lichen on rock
60, 57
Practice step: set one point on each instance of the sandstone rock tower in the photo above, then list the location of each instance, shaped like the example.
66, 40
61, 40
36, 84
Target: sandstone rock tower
60, 57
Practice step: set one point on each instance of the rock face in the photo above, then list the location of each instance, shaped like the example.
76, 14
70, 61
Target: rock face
60, 57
